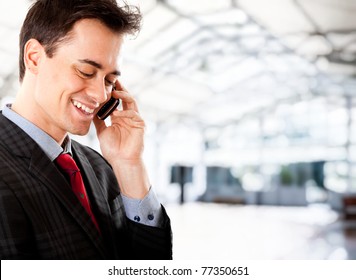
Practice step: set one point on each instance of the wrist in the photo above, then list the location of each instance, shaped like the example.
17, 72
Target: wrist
132, 178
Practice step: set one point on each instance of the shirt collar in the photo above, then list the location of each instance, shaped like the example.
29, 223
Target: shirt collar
51, 148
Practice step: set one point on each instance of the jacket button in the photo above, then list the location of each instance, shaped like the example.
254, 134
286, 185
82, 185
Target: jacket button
137, 218
150, 217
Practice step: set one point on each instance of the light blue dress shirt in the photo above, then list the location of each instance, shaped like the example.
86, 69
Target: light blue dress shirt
146, 211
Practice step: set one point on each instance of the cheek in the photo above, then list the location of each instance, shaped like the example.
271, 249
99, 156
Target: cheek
59, 86
56, 72
57, 83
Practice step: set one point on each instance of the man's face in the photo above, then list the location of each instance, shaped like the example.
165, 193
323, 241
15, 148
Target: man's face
72, 84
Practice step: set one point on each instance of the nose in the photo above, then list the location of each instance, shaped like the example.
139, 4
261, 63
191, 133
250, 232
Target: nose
97, 91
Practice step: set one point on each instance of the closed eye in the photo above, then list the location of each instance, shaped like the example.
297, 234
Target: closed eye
109, 83
86, 75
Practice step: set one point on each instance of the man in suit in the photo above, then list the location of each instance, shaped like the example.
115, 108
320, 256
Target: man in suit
69, 68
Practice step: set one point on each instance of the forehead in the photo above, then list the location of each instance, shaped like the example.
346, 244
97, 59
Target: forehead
91, 39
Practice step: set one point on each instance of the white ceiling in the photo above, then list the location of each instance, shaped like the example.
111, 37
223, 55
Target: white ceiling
215, 63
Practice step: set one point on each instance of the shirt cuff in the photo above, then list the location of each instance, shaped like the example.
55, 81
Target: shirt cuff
146, 211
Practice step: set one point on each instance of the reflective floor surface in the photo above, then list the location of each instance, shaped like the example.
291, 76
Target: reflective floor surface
220, 231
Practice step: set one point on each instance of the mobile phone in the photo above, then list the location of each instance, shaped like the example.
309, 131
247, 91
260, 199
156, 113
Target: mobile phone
108, 108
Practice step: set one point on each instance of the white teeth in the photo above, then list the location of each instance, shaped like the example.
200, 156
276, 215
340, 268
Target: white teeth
82, 107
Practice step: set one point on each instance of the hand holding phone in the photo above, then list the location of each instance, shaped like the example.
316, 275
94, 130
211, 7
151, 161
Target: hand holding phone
122, 142
122, 139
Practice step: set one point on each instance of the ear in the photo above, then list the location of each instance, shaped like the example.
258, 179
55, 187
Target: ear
33, 51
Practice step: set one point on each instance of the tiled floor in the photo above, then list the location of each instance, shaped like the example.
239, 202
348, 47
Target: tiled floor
219, 231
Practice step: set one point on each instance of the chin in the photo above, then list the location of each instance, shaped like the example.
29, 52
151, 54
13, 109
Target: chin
80, 132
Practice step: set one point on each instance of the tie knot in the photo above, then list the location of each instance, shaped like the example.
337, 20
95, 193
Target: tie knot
67, 163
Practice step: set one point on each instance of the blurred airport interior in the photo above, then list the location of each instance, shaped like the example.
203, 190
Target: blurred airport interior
251, 121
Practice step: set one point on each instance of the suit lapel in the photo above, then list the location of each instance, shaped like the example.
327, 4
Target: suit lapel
95, 191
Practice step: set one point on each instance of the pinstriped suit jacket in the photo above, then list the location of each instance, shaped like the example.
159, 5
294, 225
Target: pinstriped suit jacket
41, 218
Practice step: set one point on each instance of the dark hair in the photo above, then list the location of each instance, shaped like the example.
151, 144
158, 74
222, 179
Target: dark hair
50, 21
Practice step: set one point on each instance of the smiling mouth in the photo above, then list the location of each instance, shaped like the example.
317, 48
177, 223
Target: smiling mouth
82, 107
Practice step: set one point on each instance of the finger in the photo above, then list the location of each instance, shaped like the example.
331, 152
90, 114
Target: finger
127, 114
130, 116
119, 86
128, 101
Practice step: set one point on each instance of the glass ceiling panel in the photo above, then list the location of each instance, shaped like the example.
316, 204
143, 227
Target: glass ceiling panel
198, 7
281, 16
228, 17
186, 90
166, 38
155, 21
12, 13
336, 14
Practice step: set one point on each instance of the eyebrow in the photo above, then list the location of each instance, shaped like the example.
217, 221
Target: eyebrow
98, 65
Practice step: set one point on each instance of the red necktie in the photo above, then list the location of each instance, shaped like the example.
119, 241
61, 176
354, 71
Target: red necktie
68, 165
